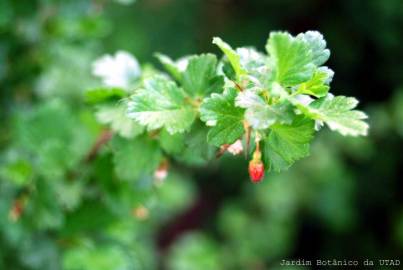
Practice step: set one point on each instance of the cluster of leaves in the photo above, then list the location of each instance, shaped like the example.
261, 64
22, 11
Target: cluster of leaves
64, 205
60, 211
280, 99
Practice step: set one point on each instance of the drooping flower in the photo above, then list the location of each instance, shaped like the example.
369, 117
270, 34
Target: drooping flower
256, 168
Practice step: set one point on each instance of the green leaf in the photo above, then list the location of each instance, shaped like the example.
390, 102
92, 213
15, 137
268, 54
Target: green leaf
172, 143
197, 151
115, 116
69, 193
339, 115
175, 68
291, 59
177, 193
317, 85
91, 216
288, 143
19, 171
50, 132
259, 114
317, 45
161, 103
228, 70
232, 56
194, 251
44, 209
253, 62
199, 78
102, 94
227, 131
97, 258
133, 158
220, 112
265, 116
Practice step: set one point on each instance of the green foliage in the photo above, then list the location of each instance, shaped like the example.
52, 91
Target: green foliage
199, 78
291, 57
259, 114
318, 85
219, 111
273, 90
268, 94
116, 117
175, 68
102, 258
135, 158
232, 56
161, 103
194, 252
288, 143
92, 202
172, 143
101, 94
339, 115
317, 45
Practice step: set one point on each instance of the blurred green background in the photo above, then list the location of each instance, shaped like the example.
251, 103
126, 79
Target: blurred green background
344, 201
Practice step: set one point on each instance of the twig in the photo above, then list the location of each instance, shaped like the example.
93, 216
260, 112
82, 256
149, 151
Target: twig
102, 139
238, 86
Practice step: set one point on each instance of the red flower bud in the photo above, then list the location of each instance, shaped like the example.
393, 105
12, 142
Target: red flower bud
256, 167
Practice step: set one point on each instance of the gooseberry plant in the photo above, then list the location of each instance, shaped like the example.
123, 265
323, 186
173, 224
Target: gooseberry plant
268, 105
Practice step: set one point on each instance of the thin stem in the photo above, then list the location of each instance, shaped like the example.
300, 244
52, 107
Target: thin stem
257, 141
238, 86
102, 139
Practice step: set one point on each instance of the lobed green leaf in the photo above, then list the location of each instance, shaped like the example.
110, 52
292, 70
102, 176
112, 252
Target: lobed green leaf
317, 45
220, 112
115, 116
318, 85
287, 143
291, 59
161, 103
199, 78
339, 115
133, 158
232, 55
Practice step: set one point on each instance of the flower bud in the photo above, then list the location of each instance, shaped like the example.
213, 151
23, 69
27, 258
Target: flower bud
256, 167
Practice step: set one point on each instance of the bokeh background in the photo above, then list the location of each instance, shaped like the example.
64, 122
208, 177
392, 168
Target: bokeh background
343, 202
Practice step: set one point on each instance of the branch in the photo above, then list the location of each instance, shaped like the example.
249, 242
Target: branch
102, 139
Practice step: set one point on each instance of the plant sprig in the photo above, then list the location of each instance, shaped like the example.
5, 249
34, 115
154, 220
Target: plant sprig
282, 95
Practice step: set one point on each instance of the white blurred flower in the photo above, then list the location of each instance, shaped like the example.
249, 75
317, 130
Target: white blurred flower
118, 70
235, 148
